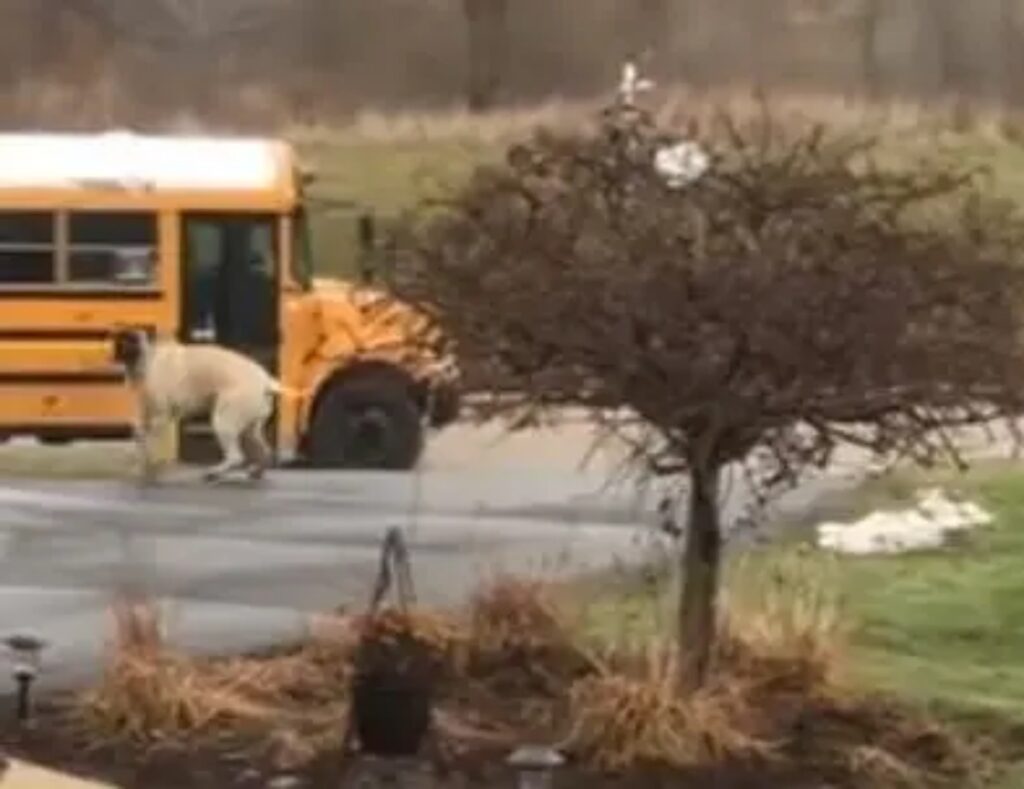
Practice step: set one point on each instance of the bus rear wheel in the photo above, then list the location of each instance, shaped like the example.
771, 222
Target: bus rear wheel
370, 422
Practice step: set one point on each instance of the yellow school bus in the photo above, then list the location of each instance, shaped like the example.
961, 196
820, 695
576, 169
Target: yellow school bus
202, 239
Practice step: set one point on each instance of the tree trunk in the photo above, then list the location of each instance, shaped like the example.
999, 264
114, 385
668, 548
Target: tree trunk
43, 48
955, 73
872, 17
949, 48
1012, 66
698, 605
486, 22
322, 43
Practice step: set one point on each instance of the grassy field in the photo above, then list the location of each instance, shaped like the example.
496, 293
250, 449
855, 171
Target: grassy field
390, 164
948, 628
942, 629
387, 177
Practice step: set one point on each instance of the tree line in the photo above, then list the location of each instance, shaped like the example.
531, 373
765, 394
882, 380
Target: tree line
331, 56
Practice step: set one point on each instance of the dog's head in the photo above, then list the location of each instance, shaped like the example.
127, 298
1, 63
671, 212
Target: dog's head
129, 348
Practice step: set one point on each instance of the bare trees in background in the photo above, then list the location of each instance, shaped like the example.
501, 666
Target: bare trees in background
953, 61
1012, 51
161, 57
487, 34
871, 19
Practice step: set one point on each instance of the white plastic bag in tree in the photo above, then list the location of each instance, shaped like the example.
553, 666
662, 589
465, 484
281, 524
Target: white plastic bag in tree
681, 164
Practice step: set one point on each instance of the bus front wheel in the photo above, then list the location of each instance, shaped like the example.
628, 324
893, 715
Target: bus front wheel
368, 422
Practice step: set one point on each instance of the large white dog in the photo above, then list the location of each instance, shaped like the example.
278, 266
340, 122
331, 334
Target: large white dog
173, 381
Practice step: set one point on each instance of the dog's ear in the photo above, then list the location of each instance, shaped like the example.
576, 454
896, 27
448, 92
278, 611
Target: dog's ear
129, 347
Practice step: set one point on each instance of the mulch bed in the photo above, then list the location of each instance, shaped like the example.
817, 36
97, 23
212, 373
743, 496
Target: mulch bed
51, 742
505, 697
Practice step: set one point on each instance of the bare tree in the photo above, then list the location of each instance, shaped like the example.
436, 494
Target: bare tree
779, 307
321, 34
871, 18
1011, 57
952, 59
486, 28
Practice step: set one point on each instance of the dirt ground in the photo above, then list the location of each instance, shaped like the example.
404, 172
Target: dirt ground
237, 765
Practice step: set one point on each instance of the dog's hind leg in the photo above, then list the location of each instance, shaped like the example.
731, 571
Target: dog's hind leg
229, 437
256, 450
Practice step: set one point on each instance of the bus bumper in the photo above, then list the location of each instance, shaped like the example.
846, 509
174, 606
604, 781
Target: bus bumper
445, 404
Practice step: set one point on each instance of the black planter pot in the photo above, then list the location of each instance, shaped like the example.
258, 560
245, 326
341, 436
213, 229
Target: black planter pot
391, 713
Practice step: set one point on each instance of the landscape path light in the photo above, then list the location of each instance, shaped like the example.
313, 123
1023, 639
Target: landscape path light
26, 653
535, 766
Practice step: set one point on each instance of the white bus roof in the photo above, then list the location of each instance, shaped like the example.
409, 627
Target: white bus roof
127, 160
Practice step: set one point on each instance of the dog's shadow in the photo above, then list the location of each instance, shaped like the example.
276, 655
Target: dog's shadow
241, 483
193, 479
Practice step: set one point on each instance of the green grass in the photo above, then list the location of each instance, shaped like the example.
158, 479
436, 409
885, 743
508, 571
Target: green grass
388, 177
948, 628
943, 630
390, 174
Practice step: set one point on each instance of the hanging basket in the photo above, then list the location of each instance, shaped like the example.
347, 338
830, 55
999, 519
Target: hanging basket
391, 713
392, 689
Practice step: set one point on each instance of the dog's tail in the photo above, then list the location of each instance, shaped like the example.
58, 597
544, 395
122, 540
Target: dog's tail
277, 389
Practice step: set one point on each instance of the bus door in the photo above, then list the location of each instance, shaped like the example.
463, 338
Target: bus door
230, 291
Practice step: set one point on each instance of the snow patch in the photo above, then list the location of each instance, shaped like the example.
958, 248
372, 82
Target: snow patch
926, 526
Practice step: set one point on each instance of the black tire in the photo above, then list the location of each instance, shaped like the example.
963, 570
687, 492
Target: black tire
369, 422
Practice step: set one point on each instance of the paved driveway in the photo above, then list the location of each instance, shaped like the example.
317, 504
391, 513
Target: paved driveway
242, 566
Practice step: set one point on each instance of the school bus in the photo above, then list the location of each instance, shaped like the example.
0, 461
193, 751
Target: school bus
203, 239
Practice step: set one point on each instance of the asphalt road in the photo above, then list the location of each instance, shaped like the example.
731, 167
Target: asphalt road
242, 566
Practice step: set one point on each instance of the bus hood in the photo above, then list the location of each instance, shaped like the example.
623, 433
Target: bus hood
377, 324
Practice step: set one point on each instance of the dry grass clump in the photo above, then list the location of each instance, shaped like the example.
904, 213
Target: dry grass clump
292, 706
784, 625
777, 699
628, 719
517, 615
151, 694
519, 625
149, 691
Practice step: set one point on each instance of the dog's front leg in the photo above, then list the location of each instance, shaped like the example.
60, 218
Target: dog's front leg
144, 428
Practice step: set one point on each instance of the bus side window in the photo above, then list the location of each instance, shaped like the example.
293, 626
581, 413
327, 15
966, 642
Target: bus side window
28, 250
112, 248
